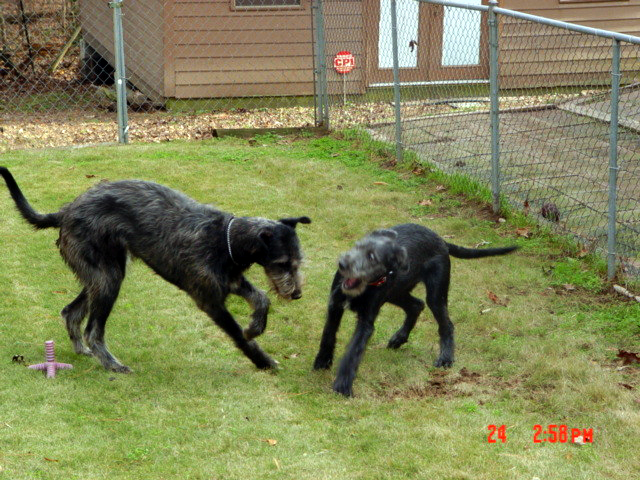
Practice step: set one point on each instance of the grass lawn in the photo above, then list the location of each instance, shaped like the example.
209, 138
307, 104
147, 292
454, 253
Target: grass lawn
196, 408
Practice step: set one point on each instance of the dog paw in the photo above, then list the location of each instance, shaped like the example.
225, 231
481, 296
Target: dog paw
343, 388
397, 341
82, 350
268, 363
322, 363
443, 363
120, 369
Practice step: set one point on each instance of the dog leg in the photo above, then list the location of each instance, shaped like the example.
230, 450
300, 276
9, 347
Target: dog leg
73, 315
355, 351
258, 301
102, 297
250, 348
436, 277
412, 307
324, 358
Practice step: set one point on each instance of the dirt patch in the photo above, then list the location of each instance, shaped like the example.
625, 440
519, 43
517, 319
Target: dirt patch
446, 383
96, 124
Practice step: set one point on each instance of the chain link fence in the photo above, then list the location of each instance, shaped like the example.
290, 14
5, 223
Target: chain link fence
195, 67
191, 68
552, 116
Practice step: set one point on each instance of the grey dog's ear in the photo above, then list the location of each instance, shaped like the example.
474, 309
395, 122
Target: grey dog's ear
385, 232
293, 221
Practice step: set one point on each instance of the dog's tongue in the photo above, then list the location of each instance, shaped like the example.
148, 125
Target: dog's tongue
350, 283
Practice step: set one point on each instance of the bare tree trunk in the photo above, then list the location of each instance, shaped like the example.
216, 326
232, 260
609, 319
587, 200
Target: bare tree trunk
25, 29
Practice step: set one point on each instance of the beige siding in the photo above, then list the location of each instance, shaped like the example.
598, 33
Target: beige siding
221, 52
535, 55
344, 30
143, 32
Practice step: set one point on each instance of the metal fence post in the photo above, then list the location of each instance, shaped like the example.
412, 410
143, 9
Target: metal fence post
396, 79
120, 77
495, 105
613, 159
321, 97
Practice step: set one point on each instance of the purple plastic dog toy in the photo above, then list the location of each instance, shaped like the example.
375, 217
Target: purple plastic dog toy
50, 365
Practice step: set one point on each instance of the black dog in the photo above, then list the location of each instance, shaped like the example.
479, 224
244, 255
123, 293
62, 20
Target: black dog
199, 249
383, 267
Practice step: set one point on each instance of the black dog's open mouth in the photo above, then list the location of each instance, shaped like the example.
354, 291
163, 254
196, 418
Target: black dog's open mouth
351, 283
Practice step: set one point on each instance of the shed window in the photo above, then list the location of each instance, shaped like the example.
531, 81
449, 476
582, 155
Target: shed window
266, 3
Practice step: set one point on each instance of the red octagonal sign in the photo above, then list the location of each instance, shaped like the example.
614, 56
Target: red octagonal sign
344, 62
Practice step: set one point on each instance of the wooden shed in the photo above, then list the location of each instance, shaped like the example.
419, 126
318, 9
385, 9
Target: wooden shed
209, 48
535, 55
242, 48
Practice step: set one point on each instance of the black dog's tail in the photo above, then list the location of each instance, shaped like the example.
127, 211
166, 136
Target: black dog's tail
462, 252
36, 219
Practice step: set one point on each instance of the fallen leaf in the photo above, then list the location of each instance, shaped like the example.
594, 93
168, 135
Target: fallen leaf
550, 212
425, 203
380, 183
494, 298
628, 357
569, 287
523, 232
90, 175
418, 171
627, 386
486, 310
271, 441
51, 459
583, 253
440, 188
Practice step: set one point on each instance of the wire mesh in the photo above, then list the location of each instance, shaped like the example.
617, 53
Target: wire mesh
191, 67
554, 114
194, 67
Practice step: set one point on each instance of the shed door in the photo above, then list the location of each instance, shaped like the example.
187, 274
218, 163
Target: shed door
434, 42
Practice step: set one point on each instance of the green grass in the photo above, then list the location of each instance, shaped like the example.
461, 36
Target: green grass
195, 408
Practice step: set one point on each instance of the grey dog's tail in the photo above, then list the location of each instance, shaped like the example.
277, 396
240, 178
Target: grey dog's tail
461, 252
36, 219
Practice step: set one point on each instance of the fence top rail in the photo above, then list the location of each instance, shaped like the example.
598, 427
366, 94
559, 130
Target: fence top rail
621, 37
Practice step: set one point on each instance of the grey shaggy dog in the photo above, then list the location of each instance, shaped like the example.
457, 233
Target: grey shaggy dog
385, 266
196, 247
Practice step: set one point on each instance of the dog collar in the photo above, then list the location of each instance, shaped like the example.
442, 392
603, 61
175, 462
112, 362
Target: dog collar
381, 280
229, 239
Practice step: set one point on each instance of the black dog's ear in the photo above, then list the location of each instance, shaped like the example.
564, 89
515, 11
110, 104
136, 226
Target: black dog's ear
266, 235
402, 259
385, 232
293, 221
